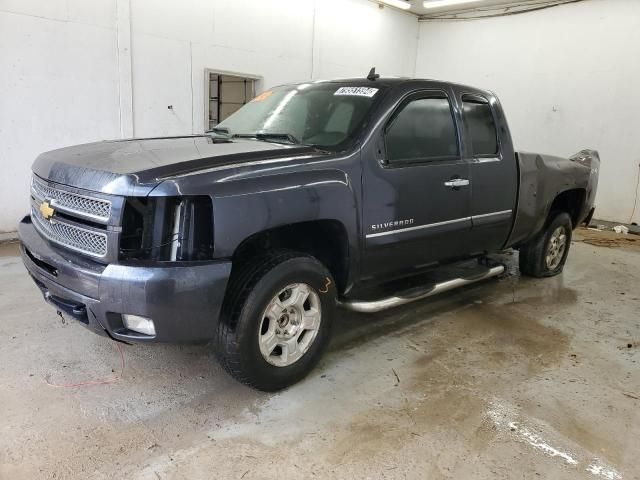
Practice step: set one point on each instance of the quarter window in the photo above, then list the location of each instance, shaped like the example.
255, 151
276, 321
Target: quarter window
480, 126
423, 130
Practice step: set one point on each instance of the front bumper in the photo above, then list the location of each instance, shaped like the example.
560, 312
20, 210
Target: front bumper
183, 299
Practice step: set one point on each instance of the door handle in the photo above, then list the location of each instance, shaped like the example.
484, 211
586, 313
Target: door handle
457, 183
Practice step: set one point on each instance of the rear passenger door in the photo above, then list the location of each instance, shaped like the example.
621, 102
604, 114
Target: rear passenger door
494, 181
416, 188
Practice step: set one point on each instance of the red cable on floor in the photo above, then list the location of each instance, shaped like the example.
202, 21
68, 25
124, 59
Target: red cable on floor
114, 379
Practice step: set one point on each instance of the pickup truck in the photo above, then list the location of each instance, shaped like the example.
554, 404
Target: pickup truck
309, 197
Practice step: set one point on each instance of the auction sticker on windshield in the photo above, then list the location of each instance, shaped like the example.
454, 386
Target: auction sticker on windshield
357, 91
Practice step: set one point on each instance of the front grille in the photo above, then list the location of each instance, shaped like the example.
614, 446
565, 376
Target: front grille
83, 240
81, 205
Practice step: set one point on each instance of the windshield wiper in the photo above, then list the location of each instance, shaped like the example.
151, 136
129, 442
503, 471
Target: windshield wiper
275, 137
220, 130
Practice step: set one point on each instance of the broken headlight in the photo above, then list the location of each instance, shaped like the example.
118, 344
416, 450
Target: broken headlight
167, 229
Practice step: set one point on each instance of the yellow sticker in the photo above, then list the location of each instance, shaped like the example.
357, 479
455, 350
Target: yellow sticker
263, 96
326, 287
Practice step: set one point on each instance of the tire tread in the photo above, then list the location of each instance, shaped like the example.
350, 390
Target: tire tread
241, 284
531, 258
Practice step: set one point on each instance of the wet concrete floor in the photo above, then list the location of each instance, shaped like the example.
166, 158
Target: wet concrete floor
511, 378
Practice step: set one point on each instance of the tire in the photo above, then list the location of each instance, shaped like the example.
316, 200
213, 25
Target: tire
535, 255
244, 323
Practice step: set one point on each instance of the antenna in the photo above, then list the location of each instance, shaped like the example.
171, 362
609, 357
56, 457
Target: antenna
372, 74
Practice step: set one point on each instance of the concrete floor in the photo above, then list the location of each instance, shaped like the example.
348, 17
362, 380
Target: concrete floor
513, 378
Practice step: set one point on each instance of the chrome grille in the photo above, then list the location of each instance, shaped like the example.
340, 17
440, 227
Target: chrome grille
71, 236
81, 205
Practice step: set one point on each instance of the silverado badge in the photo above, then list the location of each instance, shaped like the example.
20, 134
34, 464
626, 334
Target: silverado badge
46, 210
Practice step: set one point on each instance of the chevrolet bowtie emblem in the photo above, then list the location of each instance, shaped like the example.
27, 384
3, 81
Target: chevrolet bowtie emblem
46, 210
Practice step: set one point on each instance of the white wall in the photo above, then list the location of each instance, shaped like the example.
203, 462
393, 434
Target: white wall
282, 41
58, 86
566, 77
61, 82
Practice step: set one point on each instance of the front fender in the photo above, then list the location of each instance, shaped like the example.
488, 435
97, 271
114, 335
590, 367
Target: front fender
267, 202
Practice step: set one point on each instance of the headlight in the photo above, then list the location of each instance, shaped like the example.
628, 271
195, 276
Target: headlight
167, 229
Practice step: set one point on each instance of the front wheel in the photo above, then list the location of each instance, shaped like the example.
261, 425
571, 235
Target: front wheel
545, 255
277, 320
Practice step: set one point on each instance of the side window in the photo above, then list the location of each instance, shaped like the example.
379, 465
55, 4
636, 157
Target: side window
423, 130
479, 123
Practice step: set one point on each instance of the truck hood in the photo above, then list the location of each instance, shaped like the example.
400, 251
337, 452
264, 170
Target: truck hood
134, 167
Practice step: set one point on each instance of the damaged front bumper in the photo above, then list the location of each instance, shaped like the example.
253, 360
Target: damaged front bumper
183, 299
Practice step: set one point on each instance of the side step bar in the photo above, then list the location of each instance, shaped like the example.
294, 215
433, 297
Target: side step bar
390, 302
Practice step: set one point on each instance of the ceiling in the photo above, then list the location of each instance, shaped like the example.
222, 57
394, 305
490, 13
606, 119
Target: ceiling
416, 6
484, 7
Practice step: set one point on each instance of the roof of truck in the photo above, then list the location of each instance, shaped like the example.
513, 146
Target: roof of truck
392, 81
386, 81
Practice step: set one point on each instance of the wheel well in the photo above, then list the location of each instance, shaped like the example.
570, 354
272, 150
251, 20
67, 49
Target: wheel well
325, 240
570, 201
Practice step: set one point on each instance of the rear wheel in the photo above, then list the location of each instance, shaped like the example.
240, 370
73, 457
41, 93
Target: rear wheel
276, 320
545, 255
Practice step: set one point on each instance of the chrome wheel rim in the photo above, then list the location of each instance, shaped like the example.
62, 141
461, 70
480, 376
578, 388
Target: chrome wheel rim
289, 324
556, 248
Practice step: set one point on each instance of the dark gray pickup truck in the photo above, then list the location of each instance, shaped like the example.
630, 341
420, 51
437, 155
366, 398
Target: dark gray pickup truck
310, 196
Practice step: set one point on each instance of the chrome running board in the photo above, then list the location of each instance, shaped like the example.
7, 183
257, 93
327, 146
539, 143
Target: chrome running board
395, 301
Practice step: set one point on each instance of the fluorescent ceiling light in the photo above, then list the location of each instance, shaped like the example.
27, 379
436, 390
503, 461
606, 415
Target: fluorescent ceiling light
398, 4
444, 3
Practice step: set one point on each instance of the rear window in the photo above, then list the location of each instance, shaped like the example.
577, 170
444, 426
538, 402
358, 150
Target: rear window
479, 123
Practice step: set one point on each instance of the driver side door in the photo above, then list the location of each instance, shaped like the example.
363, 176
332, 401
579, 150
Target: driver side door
417, 191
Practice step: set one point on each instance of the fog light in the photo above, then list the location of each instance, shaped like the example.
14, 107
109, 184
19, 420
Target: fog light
139, 324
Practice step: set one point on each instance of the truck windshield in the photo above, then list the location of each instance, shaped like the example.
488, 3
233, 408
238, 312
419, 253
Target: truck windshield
319, 114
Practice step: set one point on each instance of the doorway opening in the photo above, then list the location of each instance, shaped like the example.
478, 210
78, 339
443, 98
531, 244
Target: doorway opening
225, 93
